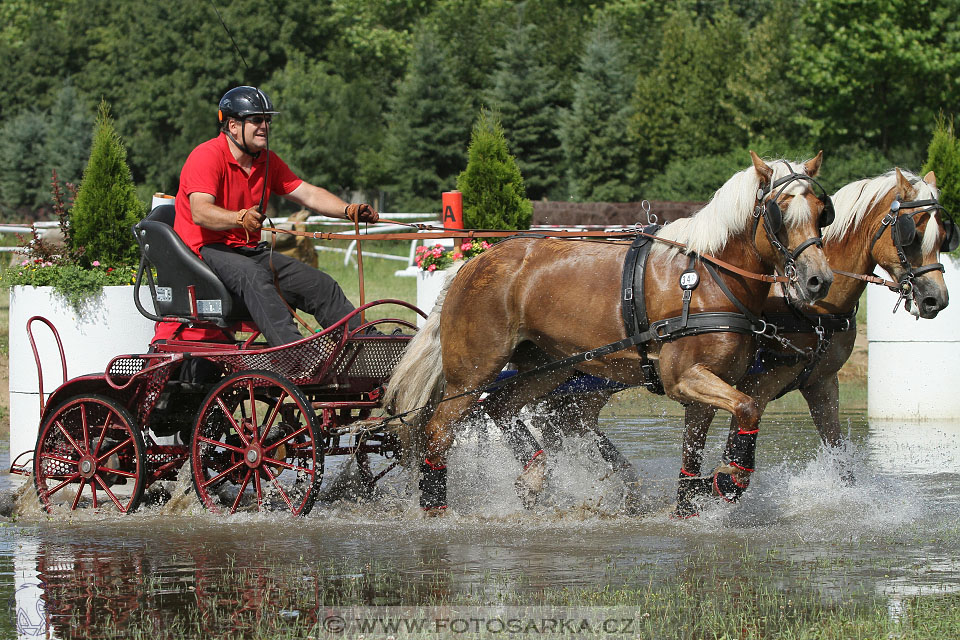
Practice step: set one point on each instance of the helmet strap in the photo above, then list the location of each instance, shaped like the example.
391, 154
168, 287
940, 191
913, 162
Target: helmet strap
242, 145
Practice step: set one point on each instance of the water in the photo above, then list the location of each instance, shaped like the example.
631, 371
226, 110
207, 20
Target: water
893, 534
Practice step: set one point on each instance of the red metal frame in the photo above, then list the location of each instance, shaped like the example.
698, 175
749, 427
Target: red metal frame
339, 370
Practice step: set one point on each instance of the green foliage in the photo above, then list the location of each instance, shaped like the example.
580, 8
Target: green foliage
43, 140
492, 187
428, 129
601, 165
943, 158
106, 207
527, 100
682, 107
75, 284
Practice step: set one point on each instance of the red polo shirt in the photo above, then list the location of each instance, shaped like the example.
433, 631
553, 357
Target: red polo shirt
211, 168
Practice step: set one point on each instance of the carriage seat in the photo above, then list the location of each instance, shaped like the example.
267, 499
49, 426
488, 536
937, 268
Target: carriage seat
178, 269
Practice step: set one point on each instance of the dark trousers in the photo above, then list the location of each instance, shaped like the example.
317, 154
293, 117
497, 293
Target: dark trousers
246, 272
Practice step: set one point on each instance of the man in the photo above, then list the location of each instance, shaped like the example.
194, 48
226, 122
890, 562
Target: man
224, 184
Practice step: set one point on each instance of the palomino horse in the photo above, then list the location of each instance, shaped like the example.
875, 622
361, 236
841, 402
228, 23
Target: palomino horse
892, 221
530, 301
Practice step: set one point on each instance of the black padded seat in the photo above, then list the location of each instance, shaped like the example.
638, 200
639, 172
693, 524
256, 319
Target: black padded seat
177, 267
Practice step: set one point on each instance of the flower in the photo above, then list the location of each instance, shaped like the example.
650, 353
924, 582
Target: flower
95, 263
436, 257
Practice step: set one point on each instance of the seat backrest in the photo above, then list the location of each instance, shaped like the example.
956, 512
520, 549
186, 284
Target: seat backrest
177, 267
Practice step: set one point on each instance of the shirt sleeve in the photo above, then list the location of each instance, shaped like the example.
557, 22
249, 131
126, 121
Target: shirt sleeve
282, 179
203, 172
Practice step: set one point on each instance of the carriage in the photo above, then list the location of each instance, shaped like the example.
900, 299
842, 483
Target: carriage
256, 425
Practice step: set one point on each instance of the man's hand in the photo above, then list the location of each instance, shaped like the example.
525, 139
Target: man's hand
361, 213
249, 219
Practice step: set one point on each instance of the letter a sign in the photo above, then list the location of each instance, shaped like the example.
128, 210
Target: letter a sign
452, 210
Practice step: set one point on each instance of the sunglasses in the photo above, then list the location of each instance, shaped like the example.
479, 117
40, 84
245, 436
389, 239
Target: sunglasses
259, 120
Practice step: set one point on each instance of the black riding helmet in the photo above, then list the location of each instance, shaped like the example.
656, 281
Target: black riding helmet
241, 103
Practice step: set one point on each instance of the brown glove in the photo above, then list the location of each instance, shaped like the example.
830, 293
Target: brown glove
250, 220
361, 213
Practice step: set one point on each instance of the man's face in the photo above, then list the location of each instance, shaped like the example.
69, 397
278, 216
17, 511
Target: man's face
252, 131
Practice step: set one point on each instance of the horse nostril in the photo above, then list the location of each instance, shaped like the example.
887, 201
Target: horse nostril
813, 284
930, 303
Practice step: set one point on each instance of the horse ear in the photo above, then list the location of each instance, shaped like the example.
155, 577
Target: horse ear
813, 164
931, 179
761, 167
906, 190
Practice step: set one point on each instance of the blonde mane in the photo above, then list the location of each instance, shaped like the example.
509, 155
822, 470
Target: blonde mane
856, 199
731, 209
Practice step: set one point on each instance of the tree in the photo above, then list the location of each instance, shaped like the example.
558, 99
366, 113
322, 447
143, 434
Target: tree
107, 206
428, 129
876, 71
943, 158
528, 100
326, 123
601, 166
493, 193
682, 107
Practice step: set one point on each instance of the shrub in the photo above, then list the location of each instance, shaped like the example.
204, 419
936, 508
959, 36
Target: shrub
107, 206
943, 158
493, 193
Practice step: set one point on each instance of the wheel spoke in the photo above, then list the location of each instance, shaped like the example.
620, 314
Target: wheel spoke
259, 489
103, 434
285, 439
109, 493
243, 486
218, 443
85, 427
286, 465
125, 443
220, 476
283, 494
253, 407
63, 430
233, 423
118, 472
50, 456
273, 416
93, 490
76, 498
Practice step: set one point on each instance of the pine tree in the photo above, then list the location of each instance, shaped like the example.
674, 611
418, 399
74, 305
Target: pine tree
428, 129
492, 187
943, 158
528, 102
601, 164
107, 206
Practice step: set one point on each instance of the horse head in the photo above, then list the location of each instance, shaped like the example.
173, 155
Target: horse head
906, 228
791, 208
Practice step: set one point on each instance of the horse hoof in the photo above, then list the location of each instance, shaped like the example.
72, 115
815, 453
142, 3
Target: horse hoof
434, 512
727, 487
684, 510
531, 481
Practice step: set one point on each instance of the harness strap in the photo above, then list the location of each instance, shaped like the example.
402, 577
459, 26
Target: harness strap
634, 307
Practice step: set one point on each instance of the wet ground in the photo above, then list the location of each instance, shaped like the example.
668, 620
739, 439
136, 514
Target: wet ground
893, 534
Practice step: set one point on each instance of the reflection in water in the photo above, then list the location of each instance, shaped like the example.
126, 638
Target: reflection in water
184, 573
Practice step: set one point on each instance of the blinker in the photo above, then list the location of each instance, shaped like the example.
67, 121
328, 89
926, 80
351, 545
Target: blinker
906, 229
952, 238
773, 216
828, 214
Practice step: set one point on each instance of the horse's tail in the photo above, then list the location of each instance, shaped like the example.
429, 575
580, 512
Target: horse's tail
417, 382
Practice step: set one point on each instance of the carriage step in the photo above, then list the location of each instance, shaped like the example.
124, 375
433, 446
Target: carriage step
22, 467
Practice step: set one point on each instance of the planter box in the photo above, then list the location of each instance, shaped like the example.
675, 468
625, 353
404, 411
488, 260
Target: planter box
429, 284
109, 326
913, 366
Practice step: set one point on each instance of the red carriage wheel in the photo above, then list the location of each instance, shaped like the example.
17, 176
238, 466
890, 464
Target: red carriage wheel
254, 446
89, 453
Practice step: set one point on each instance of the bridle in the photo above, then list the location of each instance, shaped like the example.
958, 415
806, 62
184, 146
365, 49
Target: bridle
903, 232
769, 211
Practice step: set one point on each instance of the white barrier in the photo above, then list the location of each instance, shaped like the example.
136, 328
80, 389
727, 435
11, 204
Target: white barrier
110, 326
913, 366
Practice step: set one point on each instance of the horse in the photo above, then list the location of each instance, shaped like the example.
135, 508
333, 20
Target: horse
891, 220
530, 301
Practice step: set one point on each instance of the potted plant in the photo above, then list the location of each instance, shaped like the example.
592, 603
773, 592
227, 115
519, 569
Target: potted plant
433, 263
81, 283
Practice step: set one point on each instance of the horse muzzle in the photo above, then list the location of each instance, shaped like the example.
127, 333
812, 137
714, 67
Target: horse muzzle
812, 281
